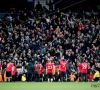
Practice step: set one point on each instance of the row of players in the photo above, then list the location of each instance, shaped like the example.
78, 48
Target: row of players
50, 70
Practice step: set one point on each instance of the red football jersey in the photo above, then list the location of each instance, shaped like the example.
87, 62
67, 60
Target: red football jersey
40, 69
79, 65
90, 77
58, 68
63, 65
14, 70
53, 62
49, 67
9, 67
83, 67
36, 67
0, 66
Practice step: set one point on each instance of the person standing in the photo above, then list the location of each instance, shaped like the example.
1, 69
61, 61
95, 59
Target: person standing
0, 66
40, 72
63, 65
83, 67
57, 72
14, 71
29, 72
38, 6
8, 71
49, 70
1, 76
36, 73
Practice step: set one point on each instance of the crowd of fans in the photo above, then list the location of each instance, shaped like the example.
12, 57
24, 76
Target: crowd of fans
29, 35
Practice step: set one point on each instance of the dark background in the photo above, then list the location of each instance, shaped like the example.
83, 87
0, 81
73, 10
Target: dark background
4, 4
7, 4
85, 4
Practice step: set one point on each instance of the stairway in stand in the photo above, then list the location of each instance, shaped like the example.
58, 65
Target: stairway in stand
43, 3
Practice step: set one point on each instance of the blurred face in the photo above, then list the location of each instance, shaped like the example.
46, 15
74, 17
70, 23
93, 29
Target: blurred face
29, 51
66, 52
76, 50
51, 27
35, 55
73, 53
11, 55
72, 26
4, 63
8, 48
90, 72
45, 45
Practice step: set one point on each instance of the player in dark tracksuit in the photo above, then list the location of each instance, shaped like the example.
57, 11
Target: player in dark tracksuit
29, 72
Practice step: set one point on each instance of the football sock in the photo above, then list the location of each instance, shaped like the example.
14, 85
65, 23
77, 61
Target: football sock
48, 80
10, 79
7, 80
51, 80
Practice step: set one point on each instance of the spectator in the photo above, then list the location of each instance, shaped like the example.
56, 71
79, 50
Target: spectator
72, 77
90, 77
96, 75
27, 37
23, 78
38, 6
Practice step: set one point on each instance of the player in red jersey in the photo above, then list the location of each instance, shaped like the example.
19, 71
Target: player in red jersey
40, 72
50, 59
36, 71
49, 70
0, 66
14, 71
83, 67
9, 71
58, 72
63, 65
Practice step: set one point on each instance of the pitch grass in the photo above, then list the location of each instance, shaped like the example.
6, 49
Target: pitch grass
48, 86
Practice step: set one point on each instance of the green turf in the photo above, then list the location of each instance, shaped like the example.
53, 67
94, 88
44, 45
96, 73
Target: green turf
49, 86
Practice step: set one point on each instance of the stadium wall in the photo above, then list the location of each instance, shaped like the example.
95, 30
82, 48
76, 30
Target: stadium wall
84, 3
4, 4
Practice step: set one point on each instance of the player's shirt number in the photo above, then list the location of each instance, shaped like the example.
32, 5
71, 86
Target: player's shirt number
49, 67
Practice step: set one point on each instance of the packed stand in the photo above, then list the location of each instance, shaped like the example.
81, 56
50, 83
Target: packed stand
29, 38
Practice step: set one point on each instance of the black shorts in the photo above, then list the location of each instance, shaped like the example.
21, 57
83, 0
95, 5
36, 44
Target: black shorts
36, 74
79, 74
63, 74
83, 75
40, 76
49, 75
97, 79
8, 74
59, 76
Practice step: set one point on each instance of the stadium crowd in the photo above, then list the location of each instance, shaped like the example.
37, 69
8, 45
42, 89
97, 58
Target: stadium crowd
30, 38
